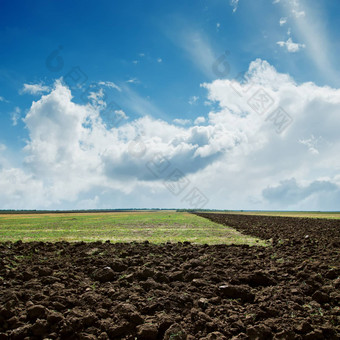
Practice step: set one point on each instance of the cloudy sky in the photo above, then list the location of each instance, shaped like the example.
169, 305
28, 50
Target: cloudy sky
168, 104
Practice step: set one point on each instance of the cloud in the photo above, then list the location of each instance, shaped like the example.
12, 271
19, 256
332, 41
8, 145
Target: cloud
271, 159
199, 120
193, 100
23, 191
310, 28
289, 192
234, 4
110, 84
291, 46
97, 98
2, 99
121, 114
15, 116
133, 81
240, 158
34, 89
198, 50
298, 14
139, 104
70, 151
159, 60
283, 21
312, 144
294, 7
182, 121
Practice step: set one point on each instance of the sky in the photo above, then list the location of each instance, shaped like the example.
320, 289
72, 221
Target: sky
211, 104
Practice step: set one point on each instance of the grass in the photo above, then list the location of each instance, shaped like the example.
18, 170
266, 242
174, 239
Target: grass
310, 214
156, 227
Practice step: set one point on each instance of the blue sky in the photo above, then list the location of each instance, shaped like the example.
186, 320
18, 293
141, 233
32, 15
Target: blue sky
166, 67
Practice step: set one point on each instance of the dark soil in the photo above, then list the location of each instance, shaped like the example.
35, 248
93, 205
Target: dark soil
290, 290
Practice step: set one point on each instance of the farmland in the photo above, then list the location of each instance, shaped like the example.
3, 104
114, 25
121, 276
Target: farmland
220, 285
155, 227
308, 214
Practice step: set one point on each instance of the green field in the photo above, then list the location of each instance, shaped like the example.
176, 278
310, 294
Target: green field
157, 227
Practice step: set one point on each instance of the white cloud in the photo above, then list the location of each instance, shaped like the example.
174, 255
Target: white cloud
97, 97
295, 8
298, 14
110, 84
2, 99
121, 114
234, 4
15, 116
34, 89
309, 27
159, 60
23, 191
193, 100
2, 147
283, 21
133, 81
311, 144
138, 104
291, 46
198, 50
237, 158
182, 121
314, 111
199, 120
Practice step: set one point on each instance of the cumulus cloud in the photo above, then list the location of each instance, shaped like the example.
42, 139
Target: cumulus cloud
240, 158
35, 89
271, 156
291, 46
